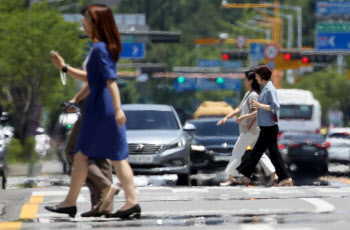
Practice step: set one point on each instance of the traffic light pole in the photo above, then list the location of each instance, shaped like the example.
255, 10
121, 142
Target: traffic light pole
340, 63
299, 20
289, 17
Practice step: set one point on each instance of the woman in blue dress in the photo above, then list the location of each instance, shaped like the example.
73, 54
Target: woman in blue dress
102, 133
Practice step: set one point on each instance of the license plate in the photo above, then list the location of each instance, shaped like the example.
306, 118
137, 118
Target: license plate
308, 148
221, 158
139, 159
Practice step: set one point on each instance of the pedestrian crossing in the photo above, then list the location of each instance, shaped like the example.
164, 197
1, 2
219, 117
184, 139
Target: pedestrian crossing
190, 205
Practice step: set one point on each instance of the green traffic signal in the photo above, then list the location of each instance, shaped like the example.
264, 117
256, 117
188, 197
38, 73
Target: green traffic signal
180, 79
220, 80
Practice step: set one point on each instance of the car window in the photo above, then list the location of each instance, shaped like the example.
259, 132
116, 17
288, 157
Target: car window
211, 129
310, 137
340, 135
150, 119
296, 112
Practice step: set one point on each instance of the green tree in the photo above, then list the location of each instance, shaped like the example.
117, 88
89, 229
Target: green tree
330, 88
28, 79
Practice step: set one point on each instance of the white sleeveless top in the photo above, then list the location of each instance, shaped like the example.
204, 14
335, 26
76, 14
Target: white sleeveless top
246, 109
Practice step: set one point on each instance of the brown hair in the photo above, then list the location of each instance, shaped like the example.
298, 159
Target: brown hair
105, 29
264, 71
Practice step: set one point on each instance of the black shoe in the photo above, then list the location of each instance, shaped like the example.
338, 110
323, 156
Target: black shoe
71, 211
132, 213
95, 213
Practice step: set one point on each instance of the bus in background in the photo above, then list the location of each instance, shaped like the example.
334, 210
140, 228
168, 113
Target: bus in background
299, 111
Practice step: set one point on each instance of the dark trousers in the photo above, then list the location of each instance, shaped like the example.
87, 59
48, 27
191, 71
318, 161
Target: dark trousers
267, 140
99, 170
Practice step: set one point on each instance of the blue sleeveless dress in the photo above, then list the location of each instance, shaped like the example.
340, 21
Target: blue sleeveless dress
100, 137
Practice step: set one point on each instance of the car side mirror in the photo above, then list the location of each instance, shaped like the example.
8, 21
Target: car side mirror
189, 127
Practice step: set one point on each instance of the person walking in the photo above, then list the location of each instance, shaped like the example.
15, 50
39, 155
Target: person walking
99, 178
268, 113
249, 132
103, 131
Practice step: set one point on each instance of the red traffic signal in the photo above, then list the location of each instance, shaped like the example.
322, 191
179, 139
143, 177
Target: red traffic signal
305, 60
225, 56
287, 56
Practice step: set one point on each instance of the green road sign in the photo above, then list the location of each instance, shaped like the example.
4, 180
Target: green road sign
333, 26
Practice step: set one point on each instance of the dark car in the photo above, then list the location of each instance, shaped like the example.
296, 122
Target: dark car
158, 144
212, 145
308, 151
284, 140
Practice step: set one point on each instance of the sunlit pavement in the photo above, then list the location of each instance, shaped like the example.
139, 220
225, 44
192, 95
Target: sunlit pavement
166, 206
306, 207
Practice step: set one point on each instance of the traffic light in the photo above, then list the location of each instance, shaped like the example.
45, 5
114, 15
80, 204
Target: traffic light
220, 80
234, 55
225, 57
318, 58
287, 56
290, 56
307, 57
180, 80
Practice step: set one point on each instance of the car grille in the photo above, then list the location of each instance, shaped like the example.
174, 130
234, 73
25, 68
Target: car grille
145, 149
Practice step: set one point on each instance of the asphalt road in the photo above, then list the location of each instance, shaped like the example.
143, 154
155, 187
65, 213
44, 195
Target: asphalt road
317, 202
305, 207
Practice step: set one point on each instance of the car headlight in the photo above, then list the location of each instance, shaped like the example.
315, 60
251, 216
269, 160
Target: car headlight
197, 148
177, 144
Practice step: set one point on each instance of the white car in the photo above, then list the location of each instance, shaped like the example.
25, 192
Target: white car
339, 150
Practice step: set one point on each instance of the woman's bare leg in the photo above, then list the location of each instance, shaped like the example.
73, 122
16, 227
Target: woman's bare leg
126, 177
78, 177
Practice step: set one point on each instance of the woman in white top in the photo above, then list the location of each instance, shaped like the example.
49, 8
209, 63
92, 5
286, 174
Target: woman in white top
249, 132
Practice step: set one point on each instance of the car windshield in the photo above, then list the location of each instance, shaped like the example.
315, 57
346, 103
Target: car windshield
296, 112
231, 128
150, 119
309, 138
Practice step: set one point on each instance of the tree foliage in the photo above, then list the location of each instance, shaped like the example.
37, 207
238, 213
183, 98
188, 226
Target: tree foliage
330, 88
28, 79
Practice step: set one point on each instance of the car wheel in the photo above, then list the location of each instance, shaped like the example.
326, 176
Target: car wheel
183, 179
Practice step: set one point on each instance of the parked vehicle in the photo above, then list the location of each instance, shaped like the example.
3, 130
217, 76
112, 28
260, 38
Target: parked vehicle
212, 109
339, 150
212, 145
299, 111
66, 123
3, 156
308, 150
42, 142
158, 144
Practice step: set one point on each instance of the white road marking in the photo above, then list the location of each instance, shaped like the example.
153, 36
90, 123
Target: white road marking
49, 193
321, 205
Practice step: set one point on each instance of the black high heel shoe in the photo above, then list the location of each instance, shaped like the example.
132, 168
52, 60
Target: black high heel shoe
71, 211
131, 213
